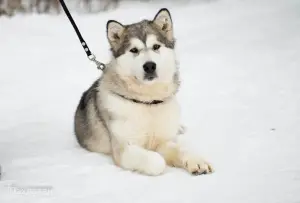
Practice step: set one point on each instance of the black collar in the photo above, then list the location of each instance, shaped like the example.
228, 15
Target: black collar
141, 102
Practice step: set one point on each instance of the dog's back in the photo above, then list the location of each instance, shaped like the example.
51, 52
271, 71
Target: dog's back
89, 125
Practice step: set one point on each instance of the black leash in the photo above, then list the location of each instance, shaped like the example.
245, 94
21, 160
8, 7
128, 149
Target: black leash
89, 54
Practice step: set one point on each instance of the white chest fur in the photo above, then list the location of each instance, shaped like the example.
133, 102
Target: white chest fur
144, 125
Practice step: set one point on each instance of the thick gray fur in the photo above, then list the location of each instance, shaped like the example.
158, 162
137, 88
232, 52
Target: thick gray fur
141, 30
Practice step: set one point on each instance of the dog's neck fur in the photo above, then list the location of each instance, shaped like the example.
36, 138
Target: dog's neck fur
131, 89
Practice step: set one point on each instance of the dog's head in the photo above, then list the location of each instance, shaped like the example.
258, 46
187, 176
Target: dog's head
144, 51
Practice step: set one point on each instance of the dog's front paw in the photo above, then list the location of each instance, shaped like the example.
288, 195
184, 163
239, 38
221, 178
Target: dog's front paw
196, 165
143, 161
154, 164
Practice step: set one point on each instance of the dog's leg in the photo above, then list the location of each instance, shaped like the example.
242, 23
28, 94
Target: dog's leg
135, 158
176, 156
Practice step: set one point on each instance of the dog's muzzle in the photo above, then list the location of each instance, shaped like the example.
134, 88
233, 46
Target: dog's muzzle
150, 70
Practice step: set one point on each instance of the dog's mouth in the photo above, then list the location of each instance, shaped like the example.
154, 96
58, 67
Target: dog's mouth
150, 76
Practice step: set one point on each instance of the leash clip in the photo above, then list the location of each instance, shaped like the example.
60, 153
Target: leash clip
100, 66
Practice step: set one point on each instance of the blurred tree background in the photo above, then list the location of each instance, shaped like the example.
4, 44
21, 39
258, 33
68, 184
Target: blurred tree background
12, 7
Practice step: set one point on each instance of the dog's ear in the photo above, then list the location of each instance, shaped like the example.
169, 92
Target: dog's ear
114, 32
164, 22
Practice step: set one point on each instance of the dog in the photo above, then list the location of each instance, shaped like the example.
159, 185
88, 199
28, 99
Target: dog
131, 112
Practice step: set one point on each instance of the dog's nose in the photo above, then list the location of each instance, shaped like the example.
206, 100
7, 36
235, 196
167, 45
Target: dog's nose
149, 67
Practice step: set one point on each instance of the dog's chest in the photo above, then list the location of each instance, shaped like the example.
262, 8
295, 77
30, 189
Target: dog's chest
143, 124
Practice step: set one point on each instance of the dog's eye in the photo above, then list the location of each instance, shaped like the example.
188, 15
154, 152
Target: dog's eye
156, 47
134, 50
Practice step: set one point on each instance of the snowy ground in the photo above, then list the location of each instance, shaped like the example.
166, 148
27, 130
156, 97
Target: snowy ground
240, 64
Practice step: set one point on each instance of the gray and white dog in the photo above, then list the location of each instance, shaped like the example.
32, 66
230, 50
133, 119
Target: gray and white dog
131, 111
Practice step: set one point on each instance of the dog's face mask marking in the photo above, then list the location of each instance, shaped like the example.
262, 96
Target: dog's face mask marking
144, 50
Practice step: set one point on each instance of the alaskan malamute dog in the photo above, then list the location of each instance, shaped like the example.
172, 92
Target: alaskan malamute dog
131, 111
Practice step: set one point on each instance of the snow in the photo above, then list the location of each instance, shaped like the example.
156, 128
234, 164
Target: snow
240, 98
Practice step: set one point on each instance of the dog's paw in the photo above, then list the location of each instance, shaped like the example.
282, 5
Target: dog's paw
154, 164
143, 161
181, 130
197, 166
